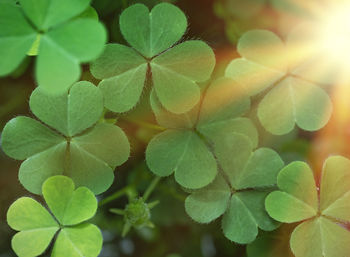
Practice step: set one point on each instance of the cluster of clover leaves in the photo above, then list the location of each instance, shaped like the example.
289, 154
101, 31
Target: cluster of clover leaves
207, 142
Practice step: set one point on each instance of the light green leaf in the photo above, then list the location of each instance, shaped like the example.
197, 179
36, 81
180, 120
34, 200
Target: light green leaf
37, 227
184, 153
69, 206
23, 137
171, 120
27, 214
294, 101
16, 37
253, 76
113, 150
247, 169
244, 126
70, 113
62, 50
320, 238
335, 188
257, 45
48, 13
286, 208
297, 180
37, 168
155, 31
121, 93
210, 202
123, 72
175, 72
299, 201
83, 240
224, 99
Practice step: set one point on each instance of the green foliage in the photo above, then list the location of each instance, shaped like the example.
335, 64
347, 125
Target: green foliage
239, 192
292, 99
175, 69
69, 208
71, 144
185, 147
46, 28
321, 232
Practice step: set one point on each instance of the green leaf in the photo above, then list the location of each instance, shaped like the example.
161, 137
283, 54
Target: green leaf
172, 120
320, 238
175, 72
298, 201
48, 13
294, 101
335, 184
37, 227
156, 31
16, 37
253, 76
123, 72
245, 214
23, 137
69, 113
88, 154
66, 203
96, 143
39, 167
184, 153
81, 240
224, 99
62, 49
256, 45
210, 202
244, 168
240, 194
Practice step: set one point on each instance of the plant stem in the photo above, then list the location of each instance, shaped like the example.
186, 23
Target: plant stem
150, 188
116, 195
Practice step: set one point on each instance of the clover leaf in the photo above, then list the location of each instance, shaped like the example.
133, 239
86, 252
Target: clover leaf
184, 148
70, 207
322, 231
292, 99
71, 144
238, 193
46, 29
174, 69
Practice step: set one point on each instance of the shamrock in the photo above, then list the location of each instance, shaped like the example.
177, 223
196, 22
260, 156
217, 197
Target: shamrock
185, 146
69, 208
175, 69
73, 144
292, 99
238, 192
47, 28
323, 214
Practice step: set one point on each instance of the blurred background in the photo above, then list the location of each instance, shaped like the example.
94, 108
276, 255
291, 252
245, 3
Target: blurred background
220, 23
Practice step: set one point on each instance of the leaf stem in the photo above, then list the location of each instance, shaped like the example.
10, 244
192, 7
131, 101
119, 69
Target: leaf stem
150, 188
116, 195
